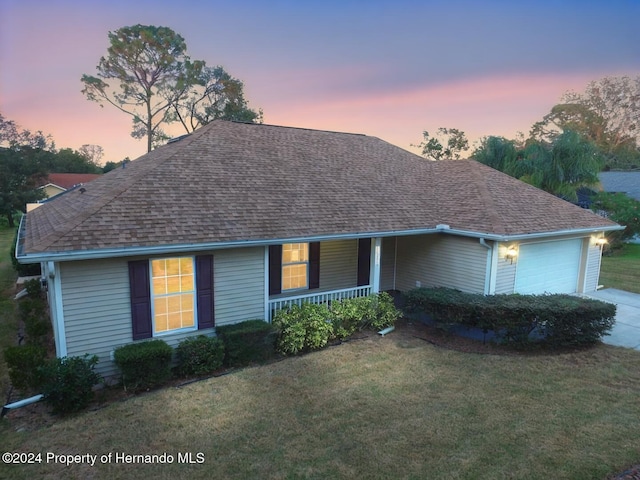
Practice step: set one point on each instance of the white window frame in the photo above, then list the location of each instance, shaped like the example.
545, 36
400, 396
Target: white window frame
290, 264
153, 297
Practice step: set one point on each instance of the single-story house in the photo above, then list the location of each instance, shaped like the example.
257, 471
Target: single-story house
56, 183
236, 221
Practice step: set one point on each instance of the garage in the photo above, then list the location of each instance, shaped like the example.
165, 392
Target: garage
548, 267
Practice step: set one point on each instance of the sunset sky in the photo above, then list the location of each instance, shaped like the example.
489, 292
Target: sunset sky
389, 69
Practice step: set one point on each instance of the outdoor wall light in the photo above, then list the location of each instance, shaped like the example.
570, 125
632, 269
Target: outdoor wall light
601, 241
511, 253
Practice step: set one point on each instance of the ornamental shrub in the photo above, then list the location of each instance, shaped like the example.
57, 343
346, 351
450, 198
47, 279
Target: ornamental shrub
68, 383
303, 327
144, 365
199, 355
346, 317
553, 320
247, 342
33, 313
24, 362
385, 312
311, 326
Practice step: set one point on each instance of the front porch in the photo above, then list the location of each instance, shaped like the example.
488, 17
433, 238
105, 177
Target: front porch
320, 298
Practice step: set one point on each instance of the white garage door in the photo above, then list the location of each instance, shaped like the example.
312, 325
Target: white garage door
549, 267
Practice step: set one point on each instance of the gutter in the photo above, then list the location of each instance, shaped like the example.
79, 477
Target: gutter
194, 247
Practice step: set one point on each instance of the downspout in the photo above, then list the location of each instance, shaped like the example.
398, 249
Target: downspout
21, 403
487, 275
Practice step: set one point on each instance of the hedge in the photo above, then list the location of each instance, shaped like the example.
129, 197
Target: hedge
557, 320
144, 365
247, 342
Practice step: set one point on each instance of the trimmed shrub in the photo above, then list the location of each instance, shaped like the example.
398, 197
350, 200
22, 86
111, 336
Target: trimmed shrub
310, 326
33, 288
385, 312
24, 362
306, 327
346, 316
374, 312
554, 320
247, 342
199, 355
144, 365
68, 383
33, 313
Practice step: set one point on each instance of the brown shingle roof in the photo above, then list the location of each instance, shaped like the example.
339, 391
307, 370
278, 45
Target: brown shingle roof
232, 182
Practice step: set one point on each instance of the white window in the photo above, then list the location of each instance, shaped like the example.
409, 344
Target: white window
295, 266
173, 294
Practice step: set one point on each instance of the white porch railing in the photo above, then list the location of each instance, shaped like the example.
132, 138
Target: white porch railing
318, 298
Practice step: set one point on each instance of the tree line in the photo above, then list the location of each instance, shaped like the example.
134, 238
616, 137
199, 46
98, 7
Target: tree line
581, 136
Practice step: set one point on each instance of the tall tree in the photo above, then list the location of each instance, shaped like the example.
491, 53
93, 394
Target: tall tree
144, 72
12, 136
561, 168
215, 94
449, 143
148, 75
605, 113
92, 153
21, 170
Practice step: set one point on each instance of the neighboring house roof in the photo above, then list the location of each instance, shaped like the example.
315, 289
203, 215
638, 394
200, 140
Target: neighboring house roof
235, 183
68, 180
625, 182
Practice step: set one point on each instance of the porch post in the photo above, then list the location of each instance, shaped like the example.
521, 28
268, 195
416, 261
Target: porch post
375, 264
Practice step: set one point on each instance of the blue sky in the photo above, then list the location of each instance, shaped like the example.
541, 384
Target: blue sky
385, 68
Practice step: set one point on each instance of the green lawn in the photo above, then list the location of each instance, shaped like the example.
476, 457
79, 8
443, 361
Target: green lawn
622, 270
375, 408
8, 322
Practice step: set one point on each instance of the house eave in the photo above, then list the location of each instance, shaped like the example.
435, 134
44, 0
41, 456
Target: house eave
133, 251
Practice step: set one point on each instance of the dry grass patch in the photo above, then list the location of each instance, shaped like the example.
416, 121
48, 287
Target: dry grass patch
393, 407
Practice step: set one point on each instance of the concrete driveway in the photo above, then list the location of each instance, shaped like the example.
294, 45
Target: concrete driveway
626, 331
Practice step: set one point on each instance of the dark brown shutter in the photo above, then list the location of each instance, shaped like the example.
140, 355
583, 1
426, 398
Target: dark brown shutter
314, 265
364, 261
275, 269
139, 288
204, 289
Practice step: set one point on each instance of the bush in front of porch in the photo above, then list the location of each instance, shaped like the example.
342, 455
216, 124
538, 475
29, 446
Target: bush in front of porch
311, 326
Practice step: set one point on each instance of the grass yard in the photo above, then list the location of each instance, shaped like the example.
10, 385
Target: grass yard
392, 407
622, 270
8, 319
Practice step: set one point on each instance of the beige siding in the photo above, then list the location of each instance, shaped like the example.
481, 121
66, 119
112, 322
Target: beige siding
441, 261
506, 272
338, 264
95, 297
238, 284
593, 268
388, 263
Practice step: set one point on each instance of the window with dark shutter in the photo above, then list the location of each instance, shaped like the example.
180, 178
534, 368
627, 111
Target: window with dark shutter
204, 288
140, 299
364, 261
275, 269
314, 265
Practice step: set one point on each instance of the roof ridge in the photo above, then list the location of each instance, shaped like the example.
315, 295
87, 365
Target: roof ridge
292, 128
